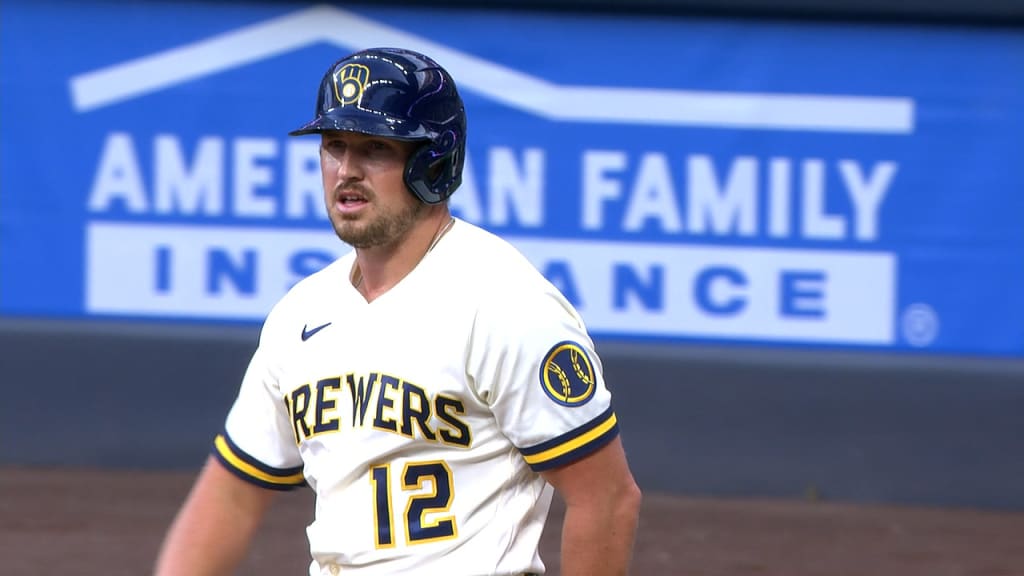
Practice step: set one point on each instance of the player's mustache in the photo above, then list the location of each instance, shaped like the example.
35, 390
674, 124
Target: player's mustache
353, 189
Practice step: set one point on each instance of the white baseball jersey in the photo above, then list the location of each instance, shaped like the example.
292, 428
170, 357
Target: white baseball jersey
421, 419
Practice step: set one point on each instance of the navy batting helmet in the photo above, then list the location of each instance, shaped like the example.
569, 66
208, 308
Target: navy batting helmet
400, 94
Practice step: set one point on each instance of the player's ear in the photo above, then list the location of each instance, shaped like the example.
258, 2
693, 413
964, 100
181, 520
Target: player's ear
434, 170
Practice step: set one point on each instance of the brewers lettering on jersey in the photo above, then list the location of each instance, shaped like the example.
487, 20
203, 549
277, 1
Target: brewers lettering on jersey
430, 386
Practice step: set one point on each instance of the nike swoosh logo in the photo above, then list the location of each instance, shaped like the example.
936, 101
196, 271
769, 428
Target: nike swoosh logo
307, 334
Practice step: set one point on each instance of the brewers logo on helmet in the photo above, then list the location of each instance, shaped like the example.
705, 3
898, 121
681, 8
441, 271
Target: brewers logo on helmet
349, 82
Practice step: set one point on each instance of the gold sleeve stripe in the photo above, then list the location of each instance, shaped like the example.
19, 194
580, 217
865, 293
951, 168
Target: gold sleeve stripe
573, 444
248, 469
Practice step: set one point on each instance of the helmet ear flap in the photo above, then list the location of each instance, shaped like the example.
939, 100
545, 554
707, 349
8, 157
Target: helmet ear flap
434, 170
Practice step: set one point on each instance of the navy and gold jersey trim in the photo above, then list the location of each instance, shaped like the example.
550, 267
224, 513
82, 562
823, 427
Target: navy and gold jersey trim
573, 445
243, 465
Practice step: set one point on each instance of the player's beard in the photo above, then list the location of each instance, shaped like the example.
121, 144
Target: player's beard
384, 228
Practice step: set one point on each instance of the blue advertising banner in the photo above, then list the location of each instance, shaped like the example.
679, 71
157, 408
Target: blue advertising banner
796, 183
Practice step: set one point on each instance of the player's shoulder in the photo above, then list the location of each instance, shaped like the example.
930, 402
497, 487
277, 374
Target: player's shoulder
494, 262
494, 274
321, 281
305, 298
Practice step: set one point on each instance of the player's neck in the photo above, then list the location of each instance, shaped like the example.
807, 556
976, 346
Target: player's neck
380, 268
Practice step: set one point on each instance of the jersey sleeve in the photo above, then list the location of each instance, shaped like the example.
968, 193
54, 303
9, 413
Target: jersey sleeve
534, 363
257, 444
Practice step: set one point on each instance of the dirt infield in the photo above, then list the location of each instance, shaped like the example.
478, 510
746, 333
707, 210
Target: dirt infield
101, 523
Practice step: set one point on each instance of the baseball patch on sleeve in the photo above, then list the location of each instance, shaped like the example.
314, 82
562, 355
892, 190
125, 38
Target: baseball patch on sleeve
567, 375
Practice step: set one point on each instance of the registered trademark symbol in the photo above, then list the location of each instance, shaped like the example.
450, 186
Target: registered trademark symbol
920, 325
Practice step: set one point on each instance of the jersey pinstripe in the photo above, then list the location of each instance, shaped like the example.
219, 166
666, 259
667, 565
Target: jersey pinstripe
421, 420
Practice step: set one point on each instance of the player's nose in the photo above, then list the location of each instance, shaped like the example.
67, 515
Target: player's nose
349, 166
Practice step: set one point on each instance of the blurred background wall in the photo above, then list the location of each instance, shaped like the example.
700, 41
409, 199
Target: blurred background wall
999, 12
794, 227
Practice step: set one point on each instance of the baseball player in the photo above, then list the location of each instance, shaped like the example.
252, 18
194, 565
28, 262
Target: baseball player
430, 386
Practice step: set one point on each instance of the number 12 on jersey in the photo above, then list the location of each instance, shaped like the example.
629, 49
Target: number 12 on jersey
435, 502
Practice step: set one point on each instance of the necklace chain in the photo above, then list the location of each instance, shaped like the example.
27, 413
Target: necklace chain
441, 232
433, 242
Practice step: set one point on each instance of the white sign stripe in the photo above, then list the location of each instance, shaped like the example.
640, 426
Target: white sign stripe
149, 74
801, 112
767, 294
735, 110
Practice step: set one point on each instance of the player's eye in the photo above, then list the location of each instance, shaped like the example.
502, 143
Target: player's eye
334, 145
379, 146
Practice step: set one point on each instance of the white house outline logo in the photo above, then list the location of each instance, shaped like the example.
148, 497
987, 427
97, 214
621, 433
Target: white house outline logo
595, 104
